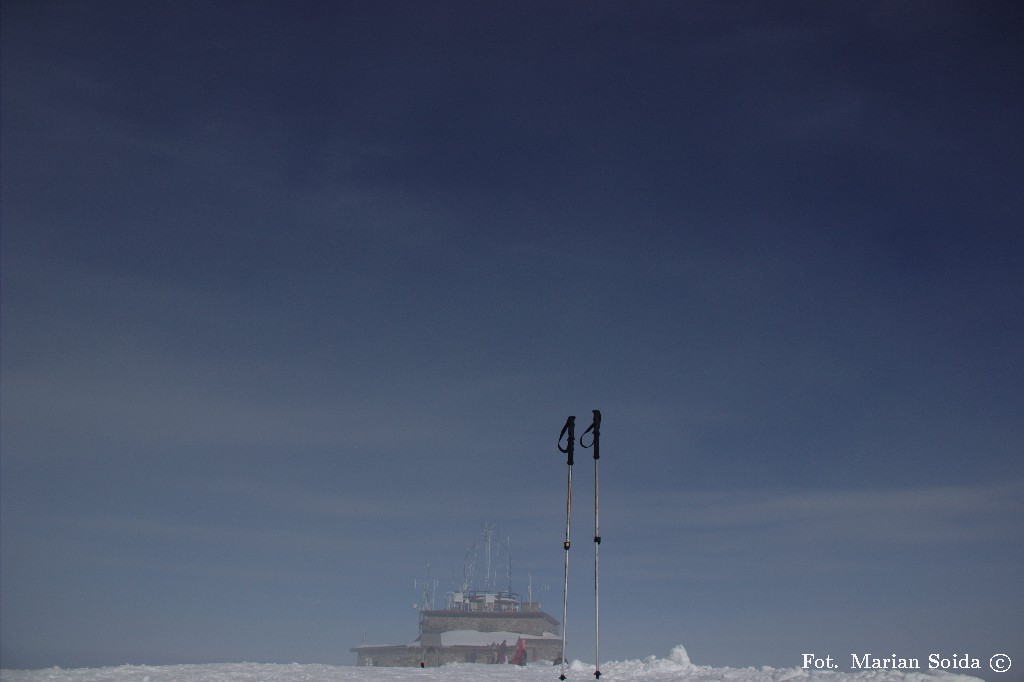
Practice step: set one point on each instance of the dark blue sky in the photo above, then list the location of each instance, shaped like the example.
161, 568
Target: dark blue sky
296, 297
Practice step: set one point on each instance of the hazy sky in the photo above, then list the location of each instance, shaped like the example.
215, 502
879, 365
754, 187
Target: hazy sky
297, 296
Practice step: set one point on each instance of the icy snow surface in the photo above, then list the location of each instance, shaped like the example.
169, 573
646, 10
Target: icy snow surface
676, 668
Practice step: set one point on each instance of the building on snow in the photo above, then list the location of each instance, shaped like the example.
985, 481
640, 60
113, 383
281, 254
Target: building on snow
475, 626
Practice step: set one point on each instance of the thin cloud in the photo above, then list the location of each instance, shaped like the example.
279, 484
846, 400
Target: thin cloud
844, 529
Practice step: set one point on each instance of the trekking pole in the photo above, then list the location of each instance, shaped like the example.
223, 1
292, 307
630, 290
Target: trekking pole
568, 432
595, 426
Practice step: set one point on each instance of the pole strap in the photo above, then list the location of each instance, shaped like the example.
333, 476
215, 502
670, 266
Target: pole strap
595, 427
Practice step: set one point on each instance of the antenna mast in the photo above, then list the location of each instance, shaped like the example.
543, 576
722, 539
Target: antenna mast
488, 580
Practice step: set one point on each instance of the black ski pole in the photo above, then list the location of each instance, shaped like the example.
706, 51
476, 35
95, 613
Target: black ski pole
568, 432
595, 426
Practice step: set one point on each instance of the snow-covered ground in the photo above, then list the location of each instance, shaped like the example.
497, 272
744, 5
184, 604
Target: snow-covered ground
675, 668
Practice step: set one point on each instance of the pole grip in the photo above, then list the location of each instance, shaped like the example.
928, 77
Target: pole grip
597, 434
568, 432
595, 427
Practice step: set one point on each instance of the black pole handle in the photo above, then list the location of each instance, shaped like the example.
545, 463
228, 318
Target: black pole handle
595, 426
570, 430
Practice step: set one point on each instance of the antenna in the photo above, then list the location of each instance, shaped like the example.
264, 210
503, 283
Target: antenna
429, 591
508, 555
468, 565
488, 580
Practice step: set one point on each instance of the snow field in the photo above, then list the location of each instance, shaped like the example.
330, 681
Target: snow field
676, 668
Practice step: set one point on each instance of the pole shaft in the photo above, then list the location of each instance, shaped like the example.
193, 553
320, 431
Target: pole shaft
597, 594
565, 587
568, 430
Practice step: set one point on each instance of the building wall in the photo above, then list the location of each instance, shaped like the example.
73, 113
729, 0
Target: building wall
411, 656
402, 656
428, 651
547, 650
